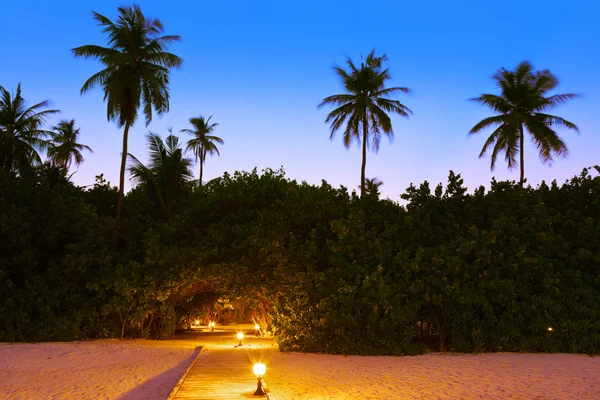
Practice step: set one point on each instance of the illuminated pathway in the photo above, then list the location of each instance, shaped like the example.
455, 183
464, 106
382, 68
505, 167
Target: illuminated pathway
221, 371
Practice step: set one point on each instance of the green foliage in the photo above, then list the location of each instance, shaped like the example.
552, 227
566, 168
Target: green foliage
449, 270
372, 186
51, 243
22, 136
136, 74
521, 105
365, 105
203, 142
136, 62
168, 173
64, 149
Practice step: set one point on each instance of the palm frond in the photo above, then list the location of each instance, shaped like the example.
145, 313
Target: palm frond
214, 139
546, 141
137, 65
393, 106
22, 136
202, 141
166, 60
63, 148
94, 52
491, 140
552, 120
337, 100
365, 101
167, 172
496, 103
551, 102
99, 78
490, 121
520, 103
391, 91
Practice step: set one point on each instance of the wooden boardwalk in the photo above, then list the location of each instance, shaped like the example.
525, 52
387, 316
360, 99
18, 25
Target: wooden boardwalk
219, 372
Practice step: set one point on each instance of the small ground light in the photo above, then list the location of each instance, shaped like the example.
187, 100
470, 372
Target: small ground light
257, 330
211, 325
259, 371
197, 322
550, 329
240, 336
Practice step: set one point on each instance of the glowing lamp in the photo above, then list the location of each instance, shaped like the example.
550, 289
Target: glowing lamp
259, 370
197, 322
550, 329
257, 330
240, 336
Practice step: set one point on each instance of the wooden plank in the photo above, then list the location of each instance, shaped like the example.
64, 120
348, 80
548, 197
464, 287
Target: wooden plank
221, 373
185, 374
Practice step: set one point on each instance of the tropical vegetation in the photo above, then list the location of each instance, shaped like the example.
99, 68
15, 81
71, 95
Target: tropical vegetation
64, 149
512, 268
136, 73
323, 270
521, 106
363, 109
203, 142
372, 186
167, 174
22, 133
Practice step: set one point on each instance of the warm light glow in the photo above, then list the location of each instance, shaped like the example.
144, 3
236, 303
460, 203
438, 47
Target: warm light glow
211, 324
257, 327
550, 329
240, 335
259, 369
197, 322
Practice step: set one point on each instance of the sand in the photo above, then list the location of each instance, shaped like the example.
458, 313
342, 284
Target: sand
141, 369
102, 369
435, 376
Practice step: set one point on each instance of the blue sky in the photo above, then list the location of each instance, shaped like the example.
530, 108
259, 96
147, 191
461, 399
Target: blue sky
260, 68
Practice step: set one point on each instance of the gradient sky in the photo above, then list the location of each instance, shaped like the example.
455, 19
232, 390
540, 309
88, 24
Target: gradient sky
260, 68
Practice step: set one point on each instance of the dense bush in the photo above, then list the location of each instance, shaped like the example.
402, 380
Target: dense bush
449, 270
49, 243
481, 272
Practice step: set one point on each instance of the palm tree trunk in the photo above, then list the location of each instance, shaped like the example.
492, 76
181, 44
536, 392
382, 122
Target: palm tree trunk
364, 157
121, 195
522, 155
8, 164
201, 169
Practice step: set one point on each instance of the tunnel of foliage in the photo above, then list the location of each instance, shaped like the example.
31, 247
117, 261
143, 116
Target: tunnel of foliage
320, 268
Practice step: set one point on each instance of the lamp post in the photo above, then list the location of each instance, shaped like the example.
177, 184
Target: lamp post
257, 330
240, 336
259, 371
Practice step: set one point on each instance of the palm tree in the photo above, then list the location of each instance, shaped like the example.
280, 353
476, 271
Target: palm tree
203, 143
64, 149
136, 73
372, 187
21, 133
167, 172
365, 105
521, 104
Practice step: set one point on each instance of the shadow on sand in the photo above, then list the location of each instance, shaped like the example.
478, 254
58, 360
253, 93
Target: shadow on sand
157, 387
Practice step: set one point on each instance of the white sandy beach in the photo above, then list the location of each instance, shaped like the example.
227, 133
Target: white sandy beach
435, 376
142, 369
102, 369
